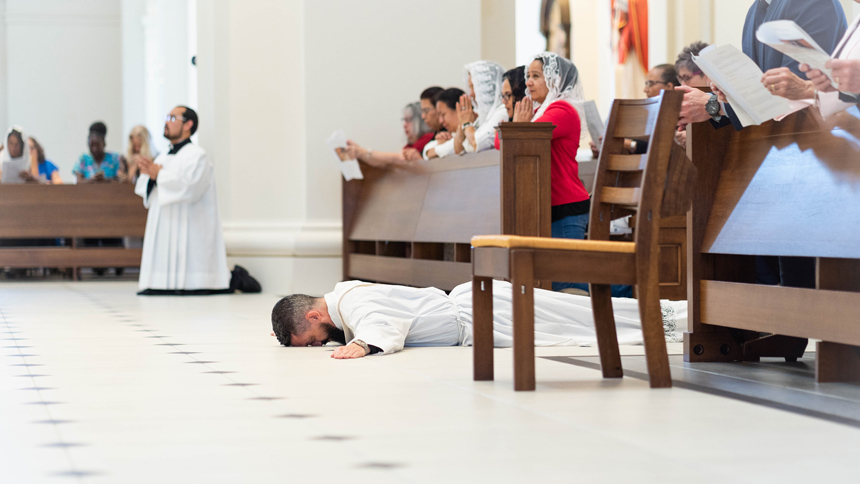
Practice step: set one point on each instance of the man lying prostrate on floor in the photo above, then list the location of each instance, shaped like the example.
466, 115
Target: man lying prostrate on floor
372, 319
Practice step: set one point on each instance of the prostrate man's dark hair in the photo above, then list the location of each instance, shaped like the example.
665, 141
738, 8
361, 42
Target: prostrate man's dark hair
450, 97
289, 316
668, 74
430, 93
190, 115
685, 58
99, 129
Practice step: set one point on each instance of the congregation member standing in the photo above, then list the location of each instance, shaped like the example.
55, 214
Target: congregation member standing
845, 67
183, 249
98, 165
478, 125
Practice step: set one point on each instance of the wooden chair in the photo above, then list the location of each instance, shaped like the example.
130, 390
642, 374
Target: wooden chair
624, 184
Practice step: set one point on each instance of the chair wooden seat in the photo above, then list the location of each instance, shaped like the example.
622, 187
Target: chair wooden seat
519, 242
652, 186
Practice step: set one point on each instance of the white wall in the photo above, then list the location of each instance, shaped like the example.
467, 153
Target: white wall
64, 71
276, 78
529, 40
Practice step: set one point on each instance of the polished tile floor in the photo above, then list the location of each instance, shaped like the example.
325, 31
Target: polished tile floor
98, 385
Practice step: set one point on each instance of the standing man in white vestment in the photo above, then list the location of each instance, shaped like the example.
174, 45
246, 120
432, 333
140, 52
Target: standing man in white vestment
183, 249
382, 319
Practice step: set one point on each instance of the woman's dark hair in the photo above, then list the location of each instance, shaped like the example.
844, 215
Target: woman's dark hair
16, 134
685, 58
516, 77
430, 93
40, 152
99, 129
450, 97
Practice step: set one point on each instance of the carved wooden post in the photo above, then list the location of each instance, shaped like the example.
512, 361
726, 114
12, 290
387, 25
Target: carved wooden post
526, 165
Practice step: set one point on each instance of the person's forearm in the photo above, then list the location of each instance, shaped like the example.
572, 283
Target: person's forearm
470, 137
382, 159
458, 142
56, 179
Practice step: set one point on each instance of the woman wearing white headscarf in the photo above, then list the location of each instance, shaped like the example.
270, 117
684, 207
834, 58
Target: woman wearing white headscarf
482, 110
15, 157
555, 93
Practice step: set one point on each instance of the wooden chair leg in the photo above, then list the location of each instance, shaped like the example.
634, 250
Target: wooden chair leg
604, 326
482, 328
659, 374
522, 282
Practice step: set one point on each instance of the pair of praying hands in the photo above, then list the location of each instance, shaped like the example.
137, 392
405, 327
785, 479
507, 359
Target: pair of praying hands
524, 111
845, 73
465, 113
147, 167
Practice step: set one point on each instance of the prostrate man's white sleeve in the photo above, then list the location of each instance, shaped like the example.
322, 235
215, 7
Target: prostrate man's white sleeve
380, 331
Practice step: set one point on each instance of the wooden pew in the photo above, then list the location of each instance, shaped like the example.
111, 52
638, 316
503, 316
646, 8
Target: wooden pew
781, 189
70, 211
413, 226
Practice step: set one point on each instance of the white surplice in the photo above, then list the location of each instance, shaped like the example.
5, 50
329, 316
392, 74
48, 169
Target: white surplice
848, 48
183, 247
391, 317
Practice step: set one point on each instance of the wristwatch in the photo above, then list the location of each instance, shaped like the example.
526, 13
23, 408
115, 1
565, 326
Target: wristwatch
713, 106
466, 125
363, 345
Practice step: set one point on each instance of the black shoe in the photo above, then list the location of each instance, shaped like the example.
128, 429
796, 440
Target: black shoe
100, 271
242, 281
119, 271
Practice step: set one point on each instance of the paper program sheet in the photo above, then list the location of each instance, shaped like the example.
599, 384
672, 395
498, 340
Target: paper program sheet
349, 166
12, 170
788, 38
740, 80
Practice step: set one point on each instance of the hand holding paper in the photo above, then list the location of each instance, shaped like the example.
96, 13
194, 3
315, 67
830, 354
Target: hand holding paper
788, 38
346, 160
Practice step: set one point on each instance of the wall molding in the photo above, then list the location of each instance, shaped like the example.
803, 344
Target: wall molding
316, 238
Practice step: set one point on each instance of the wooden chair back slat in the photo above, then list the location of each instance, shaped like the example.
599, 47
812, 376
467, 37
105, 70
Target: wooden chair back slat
635, 120
626, 162
621, 196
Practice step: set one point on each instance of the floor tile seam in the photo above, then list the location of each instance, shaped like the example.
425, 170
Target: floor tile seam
69, 459
748, 399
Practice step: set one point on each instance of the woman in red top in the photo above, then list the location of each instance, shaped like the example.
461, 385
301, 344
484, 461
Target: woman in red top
417, 133
554, 88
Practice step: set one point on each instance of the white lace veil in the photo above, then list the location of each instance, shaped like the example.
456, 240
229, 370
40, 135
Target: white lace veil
487, 77
562, 80
419, 127
11, 167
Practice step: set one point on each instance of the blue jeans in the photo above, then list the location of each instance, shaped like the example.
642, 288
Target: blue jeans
574, 227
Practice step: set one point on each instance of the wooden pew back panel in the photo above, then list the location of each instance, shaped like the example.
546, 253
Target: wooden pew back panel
790, 189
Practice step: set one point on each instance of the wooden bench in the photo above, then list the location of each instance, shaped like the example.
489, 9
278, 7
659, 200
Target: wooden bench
413, 226
790, 188
70, 211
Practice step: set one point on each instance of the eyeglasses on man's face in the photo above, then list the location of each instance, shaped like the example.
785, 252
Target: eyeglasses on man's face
650, 84
171, 118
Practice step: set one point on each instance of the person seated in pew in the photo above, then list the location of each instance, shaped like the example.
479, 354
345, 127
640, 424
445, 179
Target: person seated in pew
41, 169
15, 158
139, 146
418, 134
845, 67
380, 319
446, 108
478, 124
513, 91
98, 165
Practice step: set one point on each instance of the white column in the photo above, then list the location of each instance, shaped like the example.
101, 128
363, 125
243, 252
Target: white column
133, 65
4, 111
